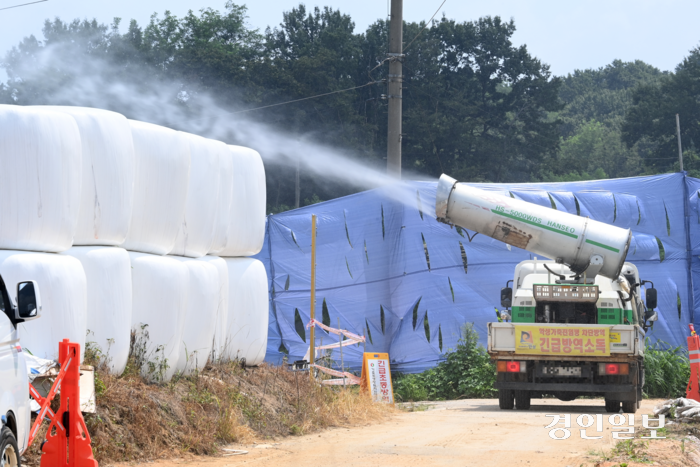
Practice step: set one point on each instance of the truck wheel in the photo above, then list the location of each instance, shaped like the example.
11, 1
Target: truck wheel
9, 452
629, 406
522, 400
612, 406
505, 399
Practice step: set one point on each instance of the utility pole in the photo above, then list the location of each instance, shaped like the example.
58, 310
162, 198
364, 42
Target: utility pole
394, 93
680, 148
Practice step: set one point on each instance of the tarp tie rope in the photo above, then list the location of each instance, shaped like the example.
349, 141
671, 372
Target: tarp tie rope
350, 378
352, 338
348, 334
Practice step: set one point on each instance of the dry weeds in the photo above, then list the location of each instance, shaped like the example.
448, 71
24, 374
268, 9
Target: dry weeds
198, 414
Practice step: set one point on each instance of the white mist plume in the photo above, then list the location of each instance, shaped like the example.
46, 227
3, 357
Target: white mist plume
89, 81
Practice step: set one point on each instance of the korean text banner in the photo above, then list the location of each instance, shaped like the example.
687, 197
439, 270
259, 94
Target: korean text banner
559, 340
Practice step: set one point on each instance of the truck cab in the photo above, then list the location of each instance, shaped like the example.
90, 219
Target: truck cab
14, 383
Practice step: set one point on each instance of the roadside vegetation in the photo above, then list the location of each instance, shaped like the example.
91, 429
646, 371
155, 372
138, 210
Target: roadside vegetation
466, 372
667, 371
203, 412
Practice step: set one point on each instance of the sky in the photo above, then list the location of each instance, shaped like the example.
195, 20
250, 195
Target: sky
567, 35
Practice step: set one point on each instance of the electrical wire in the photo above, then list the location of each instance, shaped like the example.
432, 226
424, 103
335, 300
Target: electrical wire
304, 98
23, 4
426, 25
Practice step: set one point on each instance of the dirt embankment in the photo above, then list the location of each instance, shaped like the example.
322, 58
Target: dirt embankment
460, 433
197, 415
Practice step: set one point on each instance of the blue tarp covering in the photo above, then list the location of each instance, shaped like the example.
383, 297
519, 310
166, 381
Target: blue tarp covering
374, 277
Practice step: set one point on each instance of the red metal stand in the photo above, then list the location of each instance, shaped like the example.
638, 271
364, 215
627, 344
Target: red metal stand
693, 389
67, 440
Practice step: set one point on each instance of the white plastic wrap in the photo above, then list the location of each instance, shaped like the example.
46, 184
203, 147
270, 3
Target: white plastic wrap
224, 207
107, 175
40, 163
159, 285
160, 188
246, 229
248, 310
197, 228
218, 347
108, 274
200, 314
63, 293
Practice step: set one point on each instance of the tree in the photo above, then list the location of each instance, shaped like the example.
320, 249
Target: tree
475, 105
652, 118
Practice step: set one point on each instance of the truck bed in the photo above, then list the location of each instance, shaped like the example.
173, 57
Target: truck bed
628, 342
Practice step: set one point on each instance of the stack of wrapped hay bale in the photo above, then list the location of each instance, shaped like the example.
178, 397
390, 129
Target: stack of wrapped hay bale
151, 226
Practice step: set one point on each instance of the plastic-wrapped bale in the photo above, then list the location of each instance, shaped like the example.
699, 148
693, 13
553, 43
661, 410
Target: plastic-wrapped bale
159, 285
40, 163
219, 345
63, 292
107, 175
246, 228
224, 202
200, 314
197, 229
248, 310
108, 274
160, 188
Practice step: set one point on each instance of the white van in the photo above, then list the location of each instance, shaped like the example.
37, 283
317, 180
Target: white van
14, 382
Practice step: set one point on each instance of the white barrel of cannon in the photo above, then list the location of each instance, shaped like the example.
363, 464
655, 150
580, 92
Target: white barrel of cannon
581, 243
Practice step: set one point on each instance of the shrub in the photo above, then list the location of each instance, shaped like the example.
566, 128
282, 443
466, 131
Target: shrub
666, 370
466, 372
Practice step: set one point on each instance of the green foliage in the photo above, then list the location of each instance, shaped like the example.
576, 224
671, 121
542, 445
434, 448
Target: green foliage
466, 372
667, 370
652, 117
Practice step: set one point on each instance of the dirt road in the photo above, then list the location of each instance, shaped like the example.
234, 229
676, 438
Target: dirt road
457, 433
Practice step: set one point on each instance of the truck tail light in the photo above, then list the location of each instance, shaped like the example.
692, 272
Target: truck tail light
613, 369
504, 366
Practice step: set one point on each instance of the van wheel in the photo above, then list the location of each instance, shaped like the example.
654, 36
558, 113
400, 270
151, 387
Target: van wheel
612, 406
505, 399
9, 452
522, 400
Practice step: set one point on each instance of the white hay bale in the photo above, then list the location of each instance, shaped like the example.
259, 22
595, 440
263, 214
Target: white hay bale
246, 228
200, 314
108, 275
107, 175
224, 202
160, 188
248, 310
63, 291
160, 286
40, 162
219, 344
197, 229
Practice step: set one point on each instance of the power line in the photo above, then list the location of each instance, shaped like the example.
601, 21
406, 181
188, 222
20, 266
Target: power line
23, 4
302, 99
426, 25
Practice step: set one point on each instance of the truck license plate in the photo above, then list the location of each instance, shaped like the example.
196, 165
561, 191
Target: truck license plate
563, 371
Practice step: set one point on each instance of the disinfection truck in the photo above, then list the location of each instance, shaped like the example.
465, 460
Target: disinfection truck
573, 324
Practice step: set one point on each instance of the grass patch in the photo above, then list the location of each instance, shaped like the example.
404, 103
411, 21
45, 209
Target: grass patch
667, 370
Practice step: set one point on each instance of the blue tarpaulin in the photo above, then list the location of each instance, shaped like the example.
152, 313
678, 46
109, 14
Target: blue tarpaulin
388, 270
